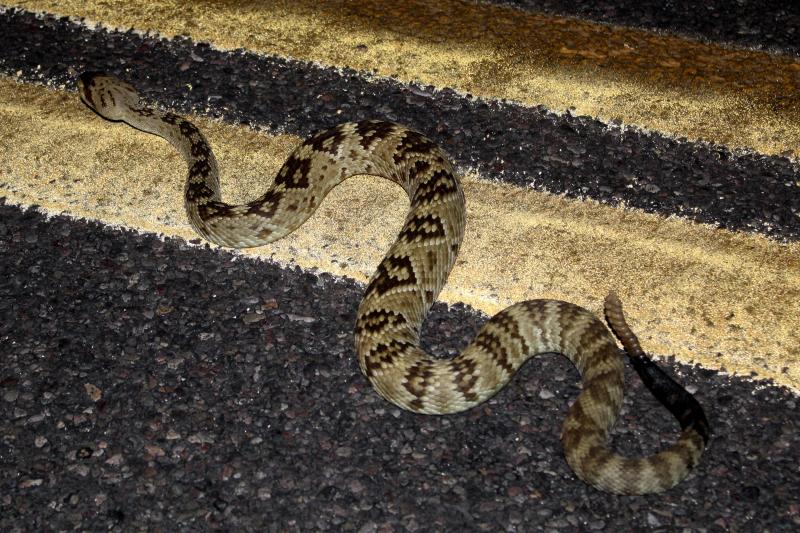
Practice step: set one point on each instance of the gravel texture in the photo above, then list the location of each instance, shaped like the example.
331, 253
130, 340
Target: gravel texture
763, 24
530, 147
152, 384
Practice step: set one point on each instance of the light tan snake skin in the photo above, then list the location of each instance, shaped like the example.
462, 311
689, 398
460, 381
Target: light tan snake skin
409, 279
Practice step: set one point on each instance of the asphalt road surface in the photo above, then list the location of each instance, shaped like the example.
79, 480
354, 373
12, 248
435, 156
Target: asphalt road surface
155, 383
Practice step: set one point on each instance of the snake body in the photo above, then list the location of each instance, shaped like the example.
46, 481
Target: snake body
409, 279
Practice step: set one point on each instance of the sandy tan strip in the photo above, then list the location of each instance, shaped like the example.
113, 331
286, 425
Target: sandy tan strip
721, 299
733, 97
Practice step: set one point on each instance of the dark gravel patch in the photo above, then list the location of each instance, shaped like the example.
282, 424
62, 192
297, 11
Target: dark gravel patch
148, 383
529, 147
772, 25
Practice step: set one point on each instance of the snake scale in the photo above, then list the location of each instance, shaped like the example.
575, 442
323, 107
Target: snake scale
410, 277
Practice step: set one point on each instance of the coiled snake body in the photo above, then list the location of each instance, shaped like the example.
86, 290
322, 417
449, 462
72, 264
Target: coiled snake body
410, 277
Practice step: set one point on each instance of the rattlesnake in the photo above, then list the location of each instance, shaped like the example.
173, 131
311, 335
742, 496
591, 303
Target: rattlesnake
410, 277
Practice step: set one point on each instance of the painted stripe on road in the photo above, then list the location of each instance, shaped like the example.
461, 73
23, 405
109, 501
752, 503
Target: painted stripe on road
705, 295
739, 98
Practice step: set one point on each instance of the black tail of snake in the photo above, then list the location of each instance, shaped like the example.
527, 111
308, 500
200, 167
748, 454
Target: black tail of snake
409, 279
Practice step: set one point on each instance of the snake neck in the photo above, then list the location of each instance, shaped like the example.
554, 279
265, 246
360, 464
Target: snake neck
202, 184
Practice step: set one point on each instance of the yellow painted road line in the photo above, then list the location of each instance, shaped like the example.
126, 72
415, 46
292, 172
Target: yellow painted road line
710, 296
738, 98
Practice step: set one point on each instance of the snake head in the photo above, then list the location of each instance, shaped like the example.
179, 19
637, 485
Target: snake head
109, 96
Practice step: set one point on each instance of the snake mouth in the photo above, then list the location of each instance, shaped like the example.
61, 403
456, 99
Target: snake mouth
85, 83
